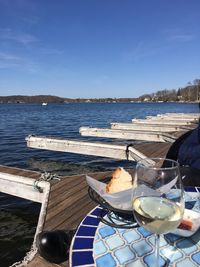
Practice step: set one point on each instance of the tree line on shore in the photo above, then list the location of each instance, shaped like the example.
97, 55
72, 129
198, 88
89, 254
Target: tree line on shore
190, 93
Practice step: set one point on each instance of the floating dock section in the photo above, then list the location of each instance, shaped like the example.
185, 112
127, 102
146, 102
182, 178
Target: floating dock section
164, 128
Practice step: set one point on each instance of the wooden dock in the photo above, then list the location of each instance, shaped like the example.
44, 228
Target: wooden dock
164, 128
66, 202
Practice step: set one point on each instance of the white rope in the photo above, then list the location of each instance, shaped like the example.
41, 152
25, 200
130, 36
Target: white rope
30, 255
46, 176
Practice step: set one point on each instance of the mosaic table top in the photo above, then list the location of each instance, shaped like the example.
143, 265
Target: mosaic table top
97, 244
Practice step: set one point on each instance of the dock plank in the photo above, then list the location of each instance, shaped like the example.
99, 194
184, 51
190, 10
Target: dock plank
153, 127
146, 135
156, 150
163, 122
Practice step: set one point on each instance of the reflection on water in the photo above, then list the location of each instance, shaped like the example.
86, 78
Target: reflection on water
63, 168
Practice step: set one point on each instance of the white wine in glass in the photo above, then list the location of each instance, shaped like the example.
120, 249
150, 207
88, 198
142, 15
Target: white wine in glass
157, 199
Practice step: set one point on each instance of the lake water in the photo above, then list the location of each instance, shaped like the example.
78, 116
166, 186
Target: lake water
19, 217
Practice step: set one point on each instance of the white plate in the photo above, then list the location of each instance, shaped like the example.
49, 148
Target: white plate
194, 218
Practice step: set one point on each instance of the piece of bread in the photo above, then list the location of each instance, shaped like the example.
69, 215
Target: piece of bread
121, 180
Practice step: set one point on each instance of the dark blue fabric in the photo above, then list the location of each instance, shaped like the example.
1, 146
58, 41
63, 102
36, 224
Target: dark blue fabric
189, 151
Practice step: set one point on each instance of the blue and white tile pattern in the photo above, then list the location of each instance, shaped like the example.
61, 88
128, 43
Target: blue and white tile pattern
98, 245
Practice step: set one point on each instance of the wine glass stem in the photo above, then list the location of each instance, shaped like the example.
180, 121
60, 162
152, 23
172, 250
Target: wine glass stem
157, 252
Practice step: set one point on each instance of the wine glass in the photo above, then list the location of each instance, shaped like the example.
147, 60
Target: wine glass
157, 198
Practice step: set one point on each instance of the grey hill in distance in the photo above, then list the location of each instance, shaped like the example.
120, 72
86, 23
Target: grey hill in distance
190, 93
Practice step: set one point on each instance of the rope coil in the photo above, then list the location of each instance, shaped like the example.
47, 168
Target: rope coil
46, 176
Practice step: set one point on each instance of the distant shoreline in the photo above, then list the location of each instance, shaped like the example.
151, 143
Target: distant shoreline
60, 100
100, 102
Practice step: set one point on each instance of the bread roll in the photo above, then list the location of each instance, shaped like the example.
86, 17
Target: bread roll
121, 180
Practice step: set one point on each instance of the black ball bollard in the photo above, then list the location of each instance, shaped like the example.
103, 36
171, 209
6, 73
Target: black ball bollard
54, 245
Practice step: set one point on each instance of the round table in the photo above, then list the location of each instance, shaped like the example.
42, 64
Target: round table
98, 244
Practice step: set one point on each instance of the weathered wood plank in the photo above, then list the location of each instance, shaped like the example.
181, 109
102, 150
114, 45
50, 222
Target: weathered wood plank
171, 118
66, 203
153, 150
19, 172
161, 122
73, 192
21, 186
83, 147
181, 115
62, 192
69, 220
127, 134
159, 128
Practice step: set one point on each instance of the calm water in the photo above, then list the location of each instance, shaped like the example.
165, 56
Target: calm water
19, 217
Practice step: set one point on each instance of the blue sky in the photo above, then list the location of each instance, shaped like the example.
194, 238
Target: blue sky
98, 48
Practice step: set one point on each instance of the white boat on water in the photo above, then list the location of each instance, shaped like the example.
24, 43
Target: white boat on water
44, 104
